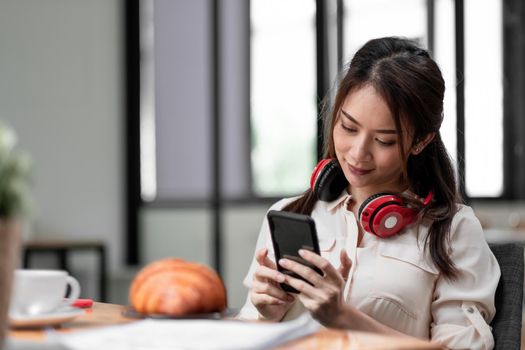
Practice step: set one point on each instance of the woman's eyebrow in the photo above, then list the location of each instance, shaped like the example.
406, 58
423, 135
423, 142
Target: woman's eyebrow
382, 131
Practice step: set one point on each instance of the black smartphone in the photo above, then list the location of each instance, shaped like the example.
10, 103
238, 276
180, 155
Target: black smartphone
291, 232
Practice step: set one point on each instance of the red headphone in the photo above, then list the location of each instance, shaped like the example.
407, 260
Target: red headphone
382, 214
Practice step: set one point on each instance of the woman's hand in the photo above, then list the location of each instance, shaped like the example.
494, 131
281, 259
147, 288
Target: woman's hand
324, 296
266, 295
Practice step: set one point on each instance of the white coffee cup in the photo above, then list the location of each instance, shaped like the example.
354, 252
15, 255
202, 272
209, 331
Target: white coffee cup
41, 291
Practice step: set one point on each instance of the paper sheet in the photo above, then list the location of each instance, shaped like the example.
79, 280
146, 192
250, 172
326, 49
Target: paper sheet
190, 335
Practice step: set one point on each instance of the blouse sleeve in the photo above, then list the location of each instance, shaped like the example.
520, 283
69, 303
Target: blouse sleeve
463, 308
248, 311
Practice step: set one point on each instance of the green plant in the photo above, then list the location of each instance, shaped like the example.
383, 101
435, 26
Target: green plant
14, 176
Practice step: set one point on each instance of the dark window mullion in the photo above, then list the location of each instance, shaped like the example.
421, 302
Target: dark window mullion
430, 25
460, 94
322, 67
132, 194
513, 106
248, 112
216, 200
340, 36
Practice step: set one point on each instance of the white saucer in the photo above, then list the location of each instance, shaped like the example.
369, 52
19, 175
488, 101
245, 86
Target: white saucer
58, 316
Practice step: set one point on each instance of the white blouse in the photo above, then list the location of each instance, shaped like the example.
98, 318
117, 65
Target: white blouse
396, 283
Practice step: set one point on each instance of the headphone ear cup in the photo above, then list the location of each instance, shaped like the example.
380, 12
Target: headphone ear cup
365, 203
384, 214
328, 180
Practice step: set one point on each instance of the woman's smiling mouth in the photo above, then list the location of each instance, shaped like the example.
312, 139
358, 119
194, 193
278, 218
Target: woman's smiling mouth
359, 171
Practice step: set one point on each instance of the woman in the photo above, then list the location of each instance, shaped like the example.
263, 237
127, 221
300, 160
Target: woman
436, 278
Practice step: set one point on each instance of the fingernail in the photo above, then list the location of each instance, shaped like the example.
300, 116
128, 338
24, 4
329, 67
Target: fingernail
304, 252
283, 262
280, 278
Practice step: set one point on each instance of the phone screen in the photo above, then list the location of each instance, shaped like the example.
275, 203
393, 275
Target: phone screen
291, 232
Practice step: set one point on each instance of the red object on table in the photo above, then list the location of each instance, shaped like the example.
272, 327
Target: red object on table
83, 303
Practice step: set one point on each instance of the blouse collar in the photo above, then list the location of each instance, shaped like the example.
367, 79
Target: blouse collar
343, 198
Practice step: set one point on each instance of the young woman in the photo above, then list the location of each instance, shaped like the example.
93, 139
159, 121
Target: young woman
435, 278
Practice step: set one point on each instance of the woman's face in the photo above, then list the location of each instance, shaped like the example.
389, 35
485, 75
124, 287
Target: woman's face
367, 143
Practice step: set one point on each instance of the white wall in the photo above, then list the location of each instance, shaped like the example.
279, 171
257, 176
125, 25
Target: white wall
61, 89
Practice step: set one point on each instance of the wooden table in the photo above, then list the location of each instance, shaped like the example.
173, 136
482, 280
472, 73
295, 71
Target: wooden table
109, 314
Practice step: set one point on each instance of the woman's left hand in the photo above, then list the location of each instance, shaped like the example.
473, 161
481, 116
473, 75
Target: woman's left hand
323, 297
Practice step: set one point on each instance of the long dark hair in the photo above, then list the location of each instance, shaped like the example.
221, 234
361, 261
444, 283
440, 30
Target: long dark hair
411, 84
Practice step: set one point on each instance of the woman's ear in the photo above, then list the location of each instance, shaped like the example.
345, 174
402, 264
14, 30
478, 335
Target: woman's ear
419, 146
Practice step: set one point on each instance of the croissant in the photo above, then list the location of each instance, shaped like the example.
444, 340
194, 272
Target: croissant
177, 287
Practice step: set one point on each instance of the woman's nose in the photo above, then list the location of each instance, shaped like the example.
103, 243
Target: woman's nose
360, 150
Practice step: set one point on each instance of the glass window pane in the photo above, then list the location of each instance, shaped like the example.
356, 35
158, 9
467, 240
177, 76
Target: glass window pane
368, 19
183, 109
148, 166
283, 95
483, 98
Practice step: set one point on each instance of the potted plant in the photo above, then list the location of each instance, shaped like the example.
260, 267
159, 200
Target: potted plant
14, 205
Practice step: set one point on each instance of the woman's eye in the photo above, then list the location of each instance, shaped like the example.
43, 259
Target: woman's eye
348, 128
385, 143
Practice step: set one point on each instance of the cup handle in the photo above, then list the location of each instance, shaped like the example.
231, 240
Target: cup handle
75, 289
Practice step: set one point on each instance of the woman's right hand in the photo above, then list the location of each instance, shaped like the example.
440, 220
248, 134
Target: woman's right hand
266, 295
